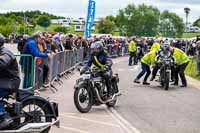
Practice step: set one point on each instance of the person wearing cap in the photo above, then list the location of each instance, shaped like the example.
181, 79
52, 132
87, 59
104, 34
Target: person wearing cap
182, 60
33, 47
9, 80
101, 60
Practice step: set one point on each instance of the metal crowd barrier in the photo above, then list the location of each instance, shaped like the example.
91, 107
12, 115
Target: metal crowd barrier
116, 51
26, 68
58, 65
37, 72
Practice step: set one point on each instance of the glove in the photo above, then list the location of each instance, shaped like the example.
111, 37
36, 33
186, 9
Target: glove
105, 69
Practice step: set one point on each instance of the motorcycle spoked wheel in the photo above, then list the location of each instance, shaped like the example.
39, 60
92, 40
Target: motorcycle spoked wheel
83, 99
35, 111
166, 83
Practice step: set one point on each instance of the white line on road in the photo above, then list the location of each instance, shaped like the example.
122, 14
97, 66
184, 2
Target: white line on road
89, 120
74, 129
122, 122
125, 125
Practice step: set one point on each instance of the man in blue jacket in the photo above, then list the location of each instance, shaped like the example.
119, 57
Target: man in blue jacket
31, 48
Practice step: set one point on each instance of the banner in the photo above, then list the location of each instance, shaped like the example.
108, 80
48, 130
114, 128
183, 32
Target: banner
90, 18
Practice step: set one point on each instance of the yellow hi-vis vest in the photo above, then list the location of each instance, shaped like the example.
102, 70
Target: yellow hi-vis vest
180, 56
155, 47
132, 46
149, 58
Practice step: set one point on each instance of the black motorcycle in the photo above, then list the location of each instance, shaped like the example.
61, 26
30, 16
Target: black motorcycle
24, 107
166, 62
91, 90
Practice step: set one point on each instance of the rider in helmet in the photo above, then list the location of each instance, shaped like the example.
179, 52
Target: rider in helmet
9, 80
164, 50
101, 60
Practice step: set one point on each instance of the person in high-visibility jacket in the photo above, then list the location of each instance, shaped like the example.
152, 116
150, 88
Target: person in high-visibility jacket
146, 62
155, 46
182, 61
132, 50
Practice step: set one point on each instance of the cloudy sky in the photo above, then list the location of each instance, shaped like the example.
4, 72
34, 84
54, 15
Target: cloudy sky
78, 8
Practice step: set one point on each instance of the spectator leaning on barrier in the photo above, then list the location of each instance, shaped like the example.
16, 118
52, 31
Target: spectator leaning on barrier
62, 42
32, 47
69, 43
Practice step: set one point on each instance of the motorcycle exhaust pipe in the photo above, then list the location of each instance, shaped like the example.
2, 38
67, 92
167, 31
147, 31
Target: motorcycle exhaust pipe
104, 102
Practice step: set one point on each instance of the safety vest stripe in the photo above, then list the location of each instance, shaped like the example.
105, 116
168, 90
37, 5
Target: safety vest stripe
98, 63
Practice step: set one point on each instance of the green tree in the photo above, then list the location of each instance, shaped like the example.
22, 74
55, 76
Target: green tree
197, 22
141, 20
60, 29
171, 25
6, 30
43, 21
105, 26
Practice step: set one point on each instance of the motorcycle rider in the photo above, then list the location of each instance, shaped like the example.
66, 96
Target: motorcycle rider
100, 58
164, 51
9, 80
146, 61
182, 60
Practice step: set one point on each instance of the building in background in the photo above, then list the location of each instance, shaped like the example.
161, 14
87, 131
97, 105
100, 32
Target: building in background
79, 23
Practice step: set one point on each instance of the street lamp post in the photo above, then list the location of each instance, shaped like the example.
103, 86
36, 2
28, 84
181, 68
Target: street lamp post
187, 11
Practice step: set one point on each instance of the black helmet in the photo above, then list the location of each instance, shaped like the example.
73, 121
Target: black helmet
2, 40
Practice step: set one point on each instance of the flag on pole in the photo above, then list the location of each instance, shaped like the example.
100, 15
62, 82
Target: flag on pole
90, 18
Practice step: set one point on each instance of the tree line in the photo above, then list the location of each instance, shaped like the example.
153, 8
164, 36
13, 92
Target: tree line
143, 20
16, 21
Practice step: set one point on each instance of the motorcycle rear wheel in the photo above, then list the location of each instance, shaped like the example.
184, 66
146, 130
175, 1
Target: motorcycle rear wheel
115, 90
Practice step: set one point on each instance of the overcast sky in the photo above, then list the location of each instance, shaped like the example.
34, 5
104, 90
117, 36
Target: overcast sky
78, 8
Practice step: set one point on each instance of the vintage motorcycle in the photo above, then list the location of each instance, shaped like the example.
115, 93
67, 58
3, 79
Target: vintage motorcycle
166, 62
91, 90
25, 108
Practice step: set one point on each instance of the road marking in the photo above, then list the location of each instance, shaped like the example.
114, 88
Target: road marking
74, 129
122, 122
130, 69
94, 121
77, 114
120, 69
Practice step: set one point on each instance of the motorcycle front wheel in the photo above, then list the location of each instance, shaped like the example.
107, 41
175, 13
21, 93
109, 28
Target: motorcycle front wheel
83, 99
166, 83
